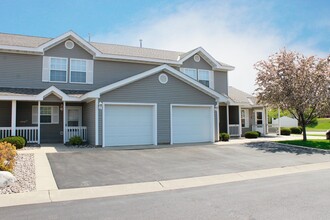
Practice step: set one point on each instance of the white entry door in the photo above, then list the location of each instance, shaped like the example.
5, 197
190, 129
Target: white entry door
129, 124
73, 116
192, 124
259, 121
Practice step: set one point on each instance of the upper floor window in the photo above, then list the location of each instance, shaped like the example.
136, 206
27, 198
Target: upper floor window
55, 69
78, 71
58, 69
202, 76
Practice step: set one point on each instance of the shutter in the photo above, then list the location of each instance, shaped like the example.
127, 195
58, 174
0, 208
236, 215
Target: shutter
45, 69
247, 118
55, 115
34, 114
89, 71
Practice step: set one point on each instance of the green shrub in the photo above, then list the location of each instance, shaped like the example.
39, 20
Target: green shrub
224, 137
17, 141
251, 134
7, 156
285, 131
259, 134
75, 140
295, 130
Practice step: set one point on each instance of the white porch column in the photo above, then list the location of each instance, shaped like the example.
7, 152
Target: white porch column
38, 122
279, 121
266, 113
13, 117
227, 109
239, 121
218, 121
96, 121
64, 121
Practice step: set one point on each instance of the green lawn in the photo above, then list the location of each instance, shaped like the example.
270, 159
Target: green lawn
320, 144
322, 125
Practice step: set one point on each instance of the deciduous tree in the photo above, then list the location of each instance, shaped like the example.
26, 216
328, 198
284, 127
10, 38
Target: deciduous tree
294, 82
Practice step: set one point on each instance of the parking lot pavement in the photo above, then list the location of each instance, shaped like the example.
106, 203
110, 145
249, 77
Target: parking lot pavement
108, 167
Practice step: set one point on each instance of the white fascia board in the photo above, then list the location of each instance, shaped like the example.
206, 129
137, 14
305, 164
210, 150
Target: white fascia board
18, 49
56, 92
166, 68
19, 98
215, 64
68, 34
131, 58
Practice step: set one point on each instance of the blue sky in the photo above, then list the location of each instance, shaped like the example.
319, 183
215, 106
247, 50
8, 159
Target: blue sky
236, 32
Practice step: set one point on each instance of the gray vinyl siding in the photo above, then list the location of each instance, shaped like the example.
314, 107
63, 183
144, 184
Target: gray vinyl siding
5, 113
75, 52
150, 90
25, 71
221, 82
52, 98
89, 120
191, 63
49, 133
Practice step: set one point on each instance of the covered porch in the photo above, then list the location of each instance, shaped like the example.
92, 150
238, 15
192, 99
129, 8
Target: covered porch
43, 118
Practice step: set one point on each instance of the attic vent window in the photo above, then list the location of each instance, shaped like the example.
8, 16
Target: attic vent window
163, 78
69, 44
197, 58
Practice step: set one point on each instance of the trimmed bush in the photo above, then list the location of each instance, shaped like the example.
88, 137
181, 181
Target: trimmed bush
17, 141
7, 156
259, 134
285, 131
75, 140
295, 130
224, 137
251, 134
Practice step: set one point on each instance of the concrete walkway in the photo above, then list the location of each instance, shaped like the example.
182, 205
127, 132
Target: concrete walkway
47, 190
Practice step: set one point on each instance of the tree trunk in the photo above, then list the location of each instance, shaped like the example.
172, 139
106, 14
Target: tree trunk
303, 125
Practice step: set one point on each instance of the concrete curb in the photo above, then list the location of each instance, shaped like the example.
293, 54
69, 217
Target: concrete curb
306, 148
54, 195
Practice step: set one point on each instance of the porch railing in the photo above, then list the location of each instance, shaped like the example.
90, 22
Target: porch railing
80, 131
30, 133
5, 132
234, 129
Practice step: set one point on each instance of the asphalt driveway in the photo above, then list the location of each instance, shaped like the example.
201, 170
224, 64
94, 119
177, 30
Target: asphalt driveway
99, 167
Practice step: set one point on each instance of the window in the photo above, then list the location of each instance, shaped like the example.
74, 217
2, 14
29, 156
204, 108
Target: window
245, 118
192, 73
48, 114
78, 70
58, 69
204, 77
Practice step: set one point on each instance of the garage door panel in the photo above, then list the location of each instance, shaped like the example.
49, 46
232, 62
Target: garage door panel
129, 125
191, 124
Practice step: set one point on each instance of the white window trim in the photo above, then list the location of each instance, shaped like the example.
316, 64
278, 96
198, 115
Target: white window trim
51, 106
71, 71
246, 118
66, 73
211, 75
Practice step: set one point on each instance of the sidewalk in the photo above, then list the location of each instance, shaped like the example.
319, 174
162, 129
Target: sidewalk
47, 190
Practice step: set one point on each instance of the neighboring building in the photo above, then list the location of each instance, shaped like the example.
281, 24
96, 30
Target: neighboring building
253, 117
111, 95
286, 121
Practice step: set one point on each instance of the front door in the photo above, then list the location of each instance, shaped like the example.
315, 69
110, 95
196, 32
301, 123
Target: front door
259, 121
74, 116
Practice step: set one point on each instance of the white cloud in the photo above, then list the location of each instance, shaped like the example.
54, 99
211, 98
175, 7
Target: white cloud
235, 34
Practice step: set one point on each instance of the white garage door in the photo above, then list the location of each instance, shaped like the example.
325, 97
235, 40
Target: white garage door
192, 124
129, 125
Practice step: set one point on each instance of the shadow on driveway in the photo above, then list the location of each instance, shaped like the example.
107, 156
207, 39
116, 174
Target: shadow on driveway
269, 147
